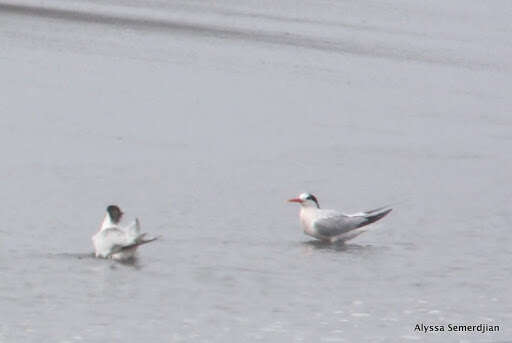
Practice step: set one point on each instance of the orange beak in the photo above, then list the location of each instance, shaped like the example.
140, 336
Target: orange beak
295, 200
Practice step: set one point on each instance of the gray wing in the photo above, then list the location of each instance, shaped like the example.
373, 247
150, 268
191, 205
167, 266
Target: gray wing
337, 225
341, 223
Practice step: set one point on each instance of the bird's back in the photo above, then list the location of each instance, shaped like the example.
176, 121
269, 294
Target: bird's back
334, 225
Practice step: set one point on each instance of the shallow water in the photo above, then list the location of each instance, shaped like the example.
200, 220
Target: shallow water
202, 119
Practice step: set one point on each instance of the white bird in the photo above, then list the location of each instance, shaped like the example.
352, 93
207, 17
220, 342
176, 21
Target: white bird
331, 225
117, 242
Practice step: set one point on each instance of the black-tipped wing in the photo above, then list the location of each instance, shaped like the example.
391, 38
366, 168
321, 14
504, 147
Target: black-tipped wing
341, 223
140, 241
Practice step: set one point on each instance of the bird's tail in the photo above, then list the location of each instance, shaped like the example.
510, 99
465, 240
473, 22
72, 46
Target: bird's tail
140, 240
374, 215
143, 240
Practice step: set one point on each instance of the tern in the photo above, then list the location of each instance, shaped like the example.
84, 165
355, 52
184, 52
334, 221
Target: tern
331, 225
117, 242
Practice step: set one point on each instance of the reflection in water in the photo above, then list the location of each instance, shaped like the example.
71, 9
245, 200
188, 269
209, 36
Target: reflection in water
72, 255
336, 247
132, 262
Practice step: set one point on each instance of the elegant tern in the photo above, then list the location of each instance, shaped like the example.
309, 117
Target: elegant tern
115, 241
331, 225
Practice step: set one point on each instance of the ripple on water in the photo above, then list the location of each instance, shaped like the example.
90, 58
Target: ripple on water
333, 339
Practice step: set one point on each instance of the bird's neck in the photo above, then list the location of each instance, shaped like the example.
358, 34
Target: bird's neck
107, 223
307, 210
307, 214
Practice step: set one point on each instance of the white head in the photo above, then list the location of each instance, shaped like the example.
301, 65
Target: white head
306, 200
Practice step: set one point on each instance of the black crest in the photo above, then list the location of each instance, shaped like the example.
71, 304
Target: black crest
115, 213
313, 198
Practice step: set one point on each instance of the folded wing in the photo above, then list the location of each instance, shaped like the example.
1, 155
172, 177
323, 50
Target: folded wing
339, 224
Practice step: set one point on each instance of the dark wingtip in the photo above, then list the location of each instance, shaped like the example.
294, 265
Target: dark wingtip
379, 209
375, 217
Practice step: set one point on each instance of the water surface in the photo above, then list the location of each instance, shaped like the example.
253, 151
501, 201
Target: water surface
202, 119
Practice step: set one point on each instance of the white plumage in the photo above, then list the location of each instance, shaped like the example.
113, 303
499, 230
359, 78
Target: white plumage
115, 241
330, 225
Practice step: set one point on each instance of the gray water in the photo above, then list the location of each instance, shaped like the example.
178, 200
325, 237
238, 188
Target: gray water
202, 118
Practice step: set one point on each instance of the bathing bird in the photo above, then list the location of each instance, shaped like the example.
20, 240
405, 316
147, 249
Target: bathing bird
115, 241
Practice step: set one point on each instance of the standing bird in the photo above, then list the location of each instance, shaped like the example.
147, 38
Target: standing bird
330, 225
117, 242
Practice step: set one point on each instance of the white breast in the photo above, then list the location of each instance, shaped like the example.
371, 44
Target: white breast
307, 221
